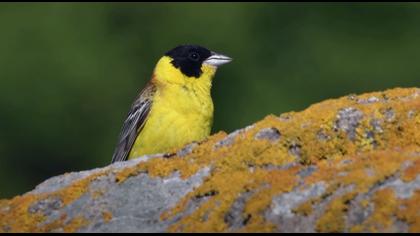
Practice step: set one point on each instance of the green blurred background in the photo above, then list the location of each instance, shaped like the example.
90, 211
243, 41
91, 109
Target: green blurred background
69, 71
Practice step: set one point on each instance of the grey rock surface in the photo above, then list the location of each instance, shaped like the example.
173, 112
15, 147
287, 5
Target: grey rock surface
356, 170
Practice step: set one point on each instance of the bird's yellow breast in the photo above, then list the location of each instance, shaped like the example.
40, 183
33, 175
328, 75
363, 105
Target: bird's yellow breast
181, 111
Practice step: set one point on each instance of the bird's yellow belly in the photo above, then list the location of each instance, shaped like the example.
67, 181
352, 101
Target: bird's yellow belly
173, 123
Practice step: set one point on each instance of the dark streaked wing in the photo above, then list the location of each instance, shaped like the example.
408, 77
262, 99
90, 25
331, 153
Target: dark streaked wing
134, 123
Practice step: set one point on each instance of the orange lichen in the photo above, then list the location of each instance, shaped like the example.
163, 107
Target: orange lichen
381, 219
244, 165
364, 203
18, 218
75, 224
219, 204
304, 208
122, 175
333, 219
365, 171
107, 216
409, 212
386, 135
76, 189
361, 174
411, 172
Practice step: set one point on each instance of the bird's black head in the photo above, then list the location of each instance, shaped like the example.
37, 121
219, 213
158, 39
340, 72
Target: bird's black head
189, 58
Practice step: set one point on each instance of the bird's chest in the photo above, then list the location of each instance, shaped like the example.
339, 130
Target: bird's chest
181, 115
178, 115
193, 106
174, 121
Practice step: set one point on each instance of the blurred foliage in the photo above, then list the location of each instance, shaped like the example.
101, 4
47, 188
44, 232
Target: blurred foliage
69, 71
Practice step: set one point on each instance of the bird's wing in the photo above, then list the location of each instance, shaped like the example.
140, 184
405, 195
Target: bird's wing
134, 123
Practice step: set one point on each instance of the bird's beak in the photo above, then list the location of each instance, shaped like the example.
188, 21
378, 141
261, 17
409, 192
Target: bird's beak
217, 59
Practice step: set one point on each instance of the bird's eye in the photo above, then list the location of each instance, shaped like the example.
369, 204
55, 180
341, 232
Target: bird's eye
194, 56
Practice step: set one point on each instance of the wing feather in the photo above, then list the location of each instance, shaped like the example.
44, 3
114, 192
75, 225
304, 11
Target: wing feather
134, 123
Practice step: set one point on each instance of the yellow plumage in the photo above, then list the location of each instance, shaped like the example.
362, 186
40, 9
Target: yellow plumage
175, 107
182, 110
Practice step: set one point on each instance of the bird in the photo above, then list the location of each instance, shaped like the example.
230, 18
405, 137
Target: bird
175, 107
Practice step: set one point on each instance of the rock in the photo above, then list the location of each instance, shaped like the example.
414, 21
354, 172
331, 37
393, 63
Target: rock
344, 165
229, 140
271, 134
295, 150
187, 149
348, 120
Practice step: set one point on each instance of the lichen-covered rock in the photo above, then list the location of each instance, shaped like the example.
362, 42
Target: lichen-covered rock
345, 165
